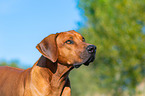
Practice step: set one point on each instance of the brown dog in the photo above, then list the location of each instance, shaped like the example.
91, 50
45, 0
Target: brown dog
61, 53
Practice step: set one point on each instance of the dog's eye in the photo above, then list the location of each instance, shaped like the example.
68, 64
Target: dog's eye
69, 42
83, 39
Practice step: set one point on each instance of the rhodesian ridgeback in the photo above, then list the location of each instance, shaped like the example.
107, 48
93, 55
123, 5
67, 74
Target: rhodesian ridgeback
61, 52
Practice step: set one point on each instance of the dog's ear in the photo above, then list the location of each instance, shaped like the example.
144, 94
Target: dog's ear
48, 47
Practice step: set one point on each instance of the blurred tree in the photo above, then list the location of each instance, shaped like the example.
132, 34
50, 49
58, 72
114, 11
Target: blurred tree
12, 64
115, 26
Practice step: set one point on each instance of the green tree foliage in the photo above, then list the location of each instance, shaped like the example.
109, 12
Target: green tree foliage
115, 26
12, 64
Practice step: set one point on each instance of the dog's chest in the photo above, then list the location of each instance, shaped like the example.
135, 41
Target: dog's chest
53, 87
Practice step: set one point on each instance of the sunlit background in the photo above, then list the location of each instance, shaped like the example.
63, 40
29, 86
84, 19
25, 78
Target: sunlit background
116, 27
24, 23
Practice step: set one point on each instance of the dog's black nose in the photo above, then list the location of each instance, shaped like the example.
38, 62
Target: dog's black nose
91, 49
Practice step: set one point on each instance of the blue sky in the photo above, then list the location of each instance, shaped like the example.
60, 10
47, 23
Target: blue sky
24, 23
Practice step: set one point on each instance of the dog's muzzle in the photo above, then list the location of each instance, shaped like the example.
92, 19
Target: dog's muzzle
91, 49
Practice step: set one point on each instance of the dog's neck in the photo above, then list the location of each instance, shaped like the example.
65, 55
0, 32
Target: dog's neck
46, 72
53, 68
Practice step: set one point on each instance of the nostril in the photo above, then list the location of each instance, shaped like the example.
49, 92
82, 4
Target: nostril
90, 48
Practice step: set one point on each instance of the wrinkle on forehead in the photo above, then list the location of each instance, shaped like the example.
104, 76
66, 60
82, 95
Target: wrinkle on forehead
69, 35
76, 33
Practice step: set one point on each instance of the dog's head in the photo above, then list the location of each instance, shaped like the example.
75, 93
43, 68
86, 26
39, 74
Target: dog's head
67, 48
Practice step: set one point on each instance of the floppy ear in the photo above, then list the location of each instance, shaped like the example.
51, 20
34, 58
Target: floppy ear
48, 47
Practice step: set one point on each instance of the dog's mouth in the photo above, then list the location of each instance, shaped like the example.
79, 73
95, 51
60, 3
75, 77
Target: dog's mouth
77, 66
91, 59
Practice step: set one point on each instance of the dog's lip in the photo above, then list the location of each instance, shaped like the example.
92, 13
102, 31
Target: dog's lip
91, 59
86, 63
77, 65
